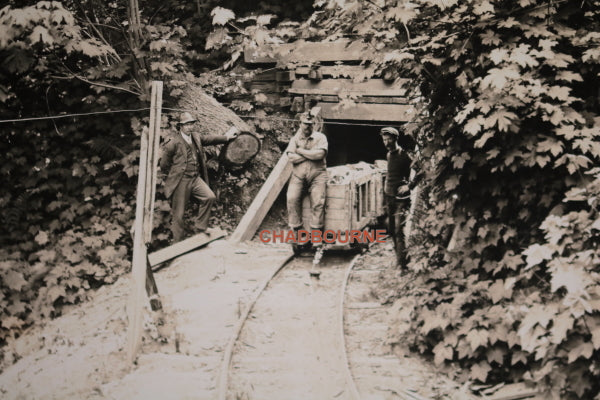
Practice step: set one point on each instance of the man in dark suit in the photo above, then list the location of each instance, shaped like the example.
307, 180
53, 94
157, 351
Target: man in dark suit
184, 162
397, 193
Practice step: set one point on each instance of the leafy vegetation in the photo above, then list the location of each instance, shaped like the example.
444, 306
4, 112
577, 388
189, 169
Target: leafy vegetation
508, 261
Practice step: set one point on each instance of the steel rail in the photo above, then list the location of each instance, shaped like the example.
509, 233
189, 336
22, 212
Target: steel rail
224, 372
348, 372
223, 379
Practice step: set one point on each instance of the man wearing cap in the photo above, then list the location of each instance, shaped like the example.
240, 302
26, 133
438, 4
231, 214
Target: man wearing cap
396, 189
184, 162
307, 151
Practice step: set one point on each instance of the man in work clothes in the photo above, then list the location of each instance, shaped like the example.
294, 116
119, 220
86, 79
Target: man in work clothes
396, 190
184, 163
307, 151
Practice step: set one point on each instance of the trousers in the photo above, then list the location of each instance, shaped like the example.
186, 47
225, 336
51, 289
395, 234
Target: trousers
316, 184
190, 187
396, 210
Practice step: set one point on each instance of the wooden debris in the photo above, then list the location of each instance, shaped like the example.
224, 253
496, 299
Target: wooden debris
241, 150
515, 391
185, 246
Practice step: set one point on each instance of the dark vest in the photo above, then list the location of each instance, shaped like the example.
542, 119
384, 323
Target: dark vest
398, 171
191, 169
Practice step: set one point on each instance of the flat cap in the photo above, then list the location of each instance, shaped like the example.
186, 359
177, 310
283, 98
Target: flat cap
306, 118
388, 130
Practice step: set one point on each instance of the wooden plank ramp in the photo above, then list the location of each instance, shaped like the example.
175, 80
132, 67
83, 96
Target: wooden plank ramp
263, 201
183, 247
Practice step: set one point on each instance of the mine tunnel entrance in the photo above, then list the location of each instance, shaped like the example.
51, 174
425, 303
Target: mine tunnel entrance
354, 141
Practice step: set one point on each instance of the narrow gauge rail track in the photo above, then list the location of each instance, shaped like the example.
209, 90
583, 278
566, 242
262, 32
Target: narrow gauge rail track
273, 355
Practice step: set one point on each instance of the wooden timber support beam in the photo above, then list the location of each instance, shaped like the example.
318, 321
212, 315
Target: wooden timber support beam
372, 87
393, 113
307, 52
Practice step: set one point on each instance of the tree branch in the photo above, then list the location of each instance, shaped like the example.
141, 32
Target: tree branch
105, 85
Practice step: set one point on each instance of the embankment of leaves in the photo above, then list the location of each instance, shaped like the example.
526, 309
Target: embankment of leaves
533, 317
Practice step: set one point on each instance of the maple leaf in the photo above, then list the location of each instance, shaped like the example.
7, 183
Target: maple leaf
498, 55
553, 146
536, 254
41, 34
518, 356
12, 322
433, 321
569, 76
55, 292
403, 13
573, 277
474, 125
496, 291
581, 349
489, 37
217, 38
559, 92
113, 234
591, 55
41, 238
521, 56
568, 131
459, 161
14, 280
265, 19
480, 371
451, 183
496, 355
498, 77
542, 161
479, 143
17, 307
560, 326
221, 15
477, 337
501, 117
442, 352
593, 322
483, 8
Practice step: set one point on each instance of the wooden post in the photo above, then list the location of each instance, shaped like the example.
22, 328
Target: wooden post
139, 263
152, 162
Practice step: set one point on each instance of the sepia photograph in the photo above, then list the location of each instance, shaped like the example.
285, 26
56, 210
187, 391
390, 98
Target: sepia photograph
300, 200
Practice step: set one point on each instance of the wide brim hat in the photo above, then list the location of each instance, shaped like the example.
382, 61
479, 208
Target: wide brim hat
186, 118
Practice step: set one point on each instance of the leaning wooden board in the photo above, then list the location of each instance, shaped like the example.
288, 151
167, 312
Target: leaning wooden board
180, 248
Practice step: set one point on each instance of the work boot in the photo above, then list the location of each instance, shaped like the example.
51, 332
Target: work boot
299, 247
317, 245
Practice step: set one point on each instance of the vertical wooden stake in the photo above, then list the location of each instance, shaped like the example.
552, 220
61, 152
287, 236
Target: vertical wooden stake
139, 262
152, 161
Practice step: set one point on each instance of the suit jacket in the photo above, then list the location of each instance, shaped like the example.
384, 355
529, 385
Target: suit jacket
173, 160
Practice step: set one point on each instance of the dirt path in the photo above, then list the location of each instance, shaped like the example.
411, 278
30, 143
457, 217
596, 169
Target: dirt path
289, 349
379, 370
